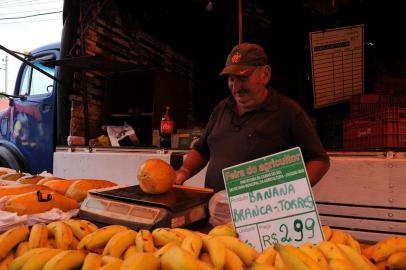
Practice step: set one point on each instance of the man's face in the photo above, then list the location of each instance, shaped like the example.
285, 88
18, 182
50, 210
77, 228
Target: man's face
250, 91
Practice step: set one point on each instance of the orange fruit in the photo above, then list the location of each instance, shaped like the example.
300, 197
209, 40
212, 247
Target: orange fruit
155, 176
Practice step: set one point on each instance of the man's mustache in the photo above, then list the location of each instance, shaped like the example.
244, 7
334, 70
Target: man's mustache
242, 91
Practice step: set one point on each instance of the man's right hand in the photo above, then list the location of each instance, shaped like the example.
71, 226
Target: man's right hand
181, 176
192, 164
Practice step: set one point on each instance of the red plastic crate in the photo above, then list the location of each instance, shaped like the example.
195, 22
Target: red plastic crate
385, 128
368, 103
365, 104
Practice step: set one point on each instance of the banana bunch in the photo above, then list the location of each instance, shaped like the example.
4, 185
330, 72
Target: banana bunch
11, 239
340, 237
389, 253
79, 244
324, 255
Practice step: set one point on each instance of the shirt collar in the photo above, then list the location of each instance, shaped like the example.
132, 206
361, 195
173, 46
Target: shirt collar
271, 103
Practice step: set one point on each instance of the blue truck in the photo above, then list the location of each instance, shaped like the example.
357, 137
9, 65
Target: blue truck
27, 137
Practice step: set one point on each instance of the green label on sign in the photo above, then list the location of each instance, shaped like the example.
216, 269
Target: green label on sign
271, 200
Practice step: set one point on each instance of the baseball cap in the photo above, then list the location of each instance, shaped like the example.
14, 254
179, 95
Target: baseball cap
243, 59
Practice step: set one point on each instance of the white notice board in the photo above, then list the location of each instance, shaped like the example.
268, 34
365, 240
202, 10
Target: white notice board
337, 58
271, 201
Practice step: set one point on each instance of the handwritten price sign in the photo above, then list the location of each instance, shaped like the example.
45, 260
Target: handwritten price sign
271, 201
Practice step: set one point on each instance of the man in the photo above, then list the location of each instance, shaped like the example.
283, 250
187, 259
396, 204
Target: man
255, 121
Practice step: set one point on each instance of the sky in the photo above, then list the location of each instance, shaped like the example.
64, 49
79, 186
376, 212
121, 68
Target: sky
24, 27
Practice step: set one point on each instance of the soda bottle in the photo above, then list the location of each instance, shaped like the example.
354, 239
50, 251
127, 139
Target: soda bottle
166, 129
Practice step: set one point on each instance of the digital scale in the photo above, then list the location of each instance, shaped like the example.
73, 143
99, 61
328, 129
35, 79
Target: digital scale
130, 206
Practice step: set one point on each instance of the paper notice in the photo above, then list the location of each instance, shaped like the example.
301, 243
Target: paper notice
337, 57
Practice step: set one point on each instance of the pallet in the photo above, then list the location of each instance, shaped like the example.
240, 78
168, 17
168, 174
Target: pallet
364, 196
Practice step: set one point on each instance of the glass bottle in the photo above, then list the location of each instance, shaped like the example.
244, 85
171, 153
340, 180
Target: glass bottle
166, 129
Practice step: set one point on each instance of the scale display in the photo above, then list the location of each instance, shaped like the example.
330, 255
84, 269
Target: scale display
123, 211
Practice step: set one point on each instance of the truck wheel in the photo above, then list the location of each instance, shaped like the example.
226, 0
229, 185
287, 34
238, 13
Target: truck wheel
9, 160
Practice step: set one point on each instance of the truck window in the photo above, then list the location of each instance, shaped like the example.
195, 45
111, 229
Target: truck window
25, 81
34, 82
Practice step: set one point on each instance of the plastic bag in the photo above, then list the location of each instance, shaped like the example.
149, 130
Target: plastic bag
219, 209
122, 135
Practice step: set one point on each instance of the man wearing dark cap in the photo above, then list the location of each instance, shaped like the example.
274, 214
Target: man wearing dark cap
255, 121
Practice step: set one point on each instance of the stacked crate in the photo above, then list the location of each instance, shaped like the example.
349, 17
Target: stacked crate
110, 35
378, 121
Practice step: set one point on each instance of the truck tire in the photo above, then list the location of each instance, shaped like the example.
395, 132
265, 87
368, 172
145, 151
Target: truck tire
11, 160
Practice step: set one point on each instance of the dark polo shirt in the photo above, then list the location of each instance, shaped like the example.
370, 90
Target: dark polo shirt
279, 124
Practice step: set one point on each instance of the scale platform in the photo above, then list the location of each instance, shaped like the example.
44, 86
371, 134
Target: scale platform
130, 206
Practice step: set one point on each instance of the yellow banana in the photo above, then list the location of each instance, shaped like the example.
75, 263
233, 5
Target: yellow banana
131, 250
110, 263
11, 238
38, 261
262, 266
224, 229
204, 265
111, 266
110, 259
339, 264
83, 241
38, 236
296, 259
119, 243
247, 253
177, 259
351, 242
5, 263
397, 260
368, 250
165, 248
62, 233
79, 228
267, 256
233, 262
99, 238
315, 253
331, 251
141, 261
93, 227
21, 248
92, 261
20, 261
279, 264
163, 236
182, 232
216, 249
193, 244
387, 247
338, 237
144, 241
65, 260
327, 231
51, 226
356, 259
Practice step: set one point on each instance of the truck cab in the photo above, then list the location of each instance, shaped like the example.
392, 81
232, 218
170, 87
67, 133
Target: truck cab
27, 125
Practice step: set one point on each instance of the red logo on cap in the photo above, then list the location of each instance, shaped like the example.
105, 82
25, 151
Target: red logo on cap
236, 58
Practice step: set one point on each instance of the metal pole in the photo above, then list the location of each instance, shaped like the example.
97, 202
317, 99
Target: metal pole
5, 73
12, 53
239, 21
